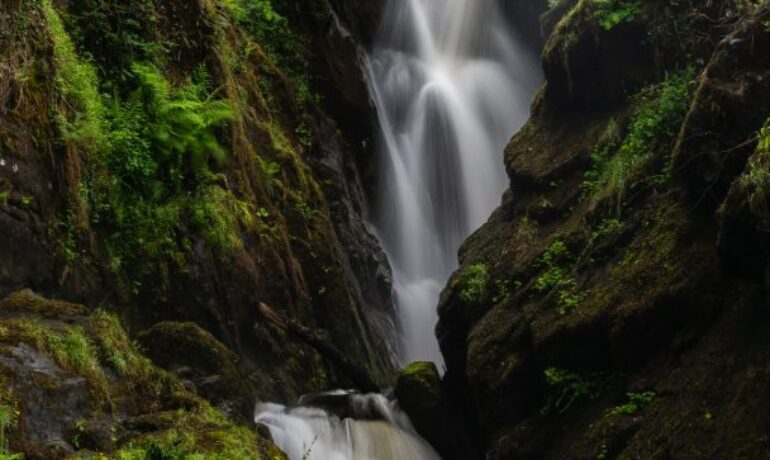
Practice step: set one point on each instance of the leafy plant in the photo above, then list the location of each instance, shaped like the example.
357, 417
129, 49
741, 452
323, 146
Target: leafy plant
755, 181
115, 34
555, 275
610, 13
636, 402
162, 145
472, 284
565, 388
659, 111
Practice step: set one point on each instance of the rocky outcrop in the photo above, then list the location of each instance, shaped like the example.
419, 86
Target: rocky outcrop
271, 209
73, 385
421, 396
624, 272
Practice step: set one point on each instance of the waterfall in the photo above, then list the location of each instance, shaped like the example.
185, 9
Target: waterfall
373, 429
451, 85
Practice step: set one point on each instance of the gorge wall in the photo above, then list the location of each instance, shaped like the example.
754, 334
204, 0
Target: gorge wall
177, 164
614, 305
168, 166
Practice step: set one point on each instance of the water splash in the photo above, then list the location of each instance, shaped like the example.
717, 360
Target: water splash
374, 429
451, 84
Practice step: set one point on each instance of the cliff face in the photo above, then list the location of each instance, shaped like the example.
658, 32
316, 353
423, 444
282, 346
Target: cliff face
613, 306
175, 162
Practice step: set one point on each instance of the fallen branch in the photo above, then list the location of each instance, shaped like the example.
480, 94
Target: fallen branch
358, 376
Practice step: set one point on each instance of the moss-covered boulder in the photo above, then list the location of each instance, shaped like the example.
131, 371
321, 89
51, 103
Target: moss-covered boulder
420, 394
72, 384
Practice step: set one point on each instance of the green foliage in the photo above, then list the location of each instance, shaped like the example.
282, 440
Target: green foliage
73, 350
115, 34
82, 112
150, 150
610, 13
565, 388
636, 402
7, 422
155, 173
604, 228
65, 236
755, 181
555, 274
219, 215
602, 453
472, 284
658, 114
504, 289
285, 49
203, 434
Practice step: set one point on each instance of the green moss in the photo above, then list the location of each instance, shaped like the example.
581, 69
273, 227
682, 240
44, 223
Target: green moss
67, 345
220, 216
657, 115
755, 181
28, 302
82, 112
203, 434
472, 284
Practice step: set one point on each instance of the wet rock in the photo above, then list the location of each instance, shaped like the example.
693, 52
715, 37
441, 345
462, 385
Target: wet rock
197, 357
420, 395
75, 384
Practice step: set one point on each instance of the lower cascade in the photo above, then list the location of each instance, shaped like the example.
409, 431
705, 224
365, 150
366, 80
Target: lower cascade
369, 427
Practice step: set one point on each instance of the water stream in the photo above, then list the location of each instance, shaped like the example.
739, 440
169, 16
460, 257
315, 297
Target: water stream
451, 84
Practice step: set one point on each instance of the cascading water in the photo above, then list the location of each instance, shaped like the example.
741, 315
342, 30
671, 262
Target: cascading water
374, 429
451, 84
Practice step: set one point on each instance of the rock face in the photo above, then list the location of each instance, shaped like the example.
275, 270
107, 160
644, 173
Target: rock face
73, 385
269, 209
421, 395
627, 266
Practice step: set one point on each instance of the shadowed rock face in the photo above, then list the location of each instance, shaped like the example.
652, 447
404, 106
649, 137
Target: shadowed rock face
75, 385
622, 323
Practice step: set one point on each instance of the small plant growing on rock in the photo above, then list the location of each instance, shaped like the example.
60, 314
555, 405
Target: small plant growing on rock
658, 114
566, 388
755, 182
473, 283
636, 402
555, 275
611, 13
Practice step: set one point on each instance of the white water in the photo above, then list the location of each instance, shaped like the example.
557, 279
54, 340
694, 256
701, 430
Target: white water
451, 85
376, 431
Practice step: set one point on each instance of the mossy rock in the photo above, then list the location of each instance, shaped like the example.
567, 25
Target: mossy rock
195, 355
418, 388
420, 394
77, 386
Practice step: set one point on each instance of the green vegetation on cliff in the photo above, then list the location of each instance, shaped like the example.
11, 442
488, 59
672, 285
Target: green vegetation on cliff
755, 182
657, 114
